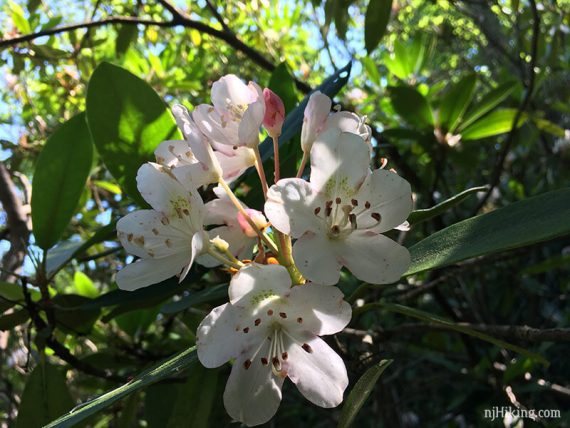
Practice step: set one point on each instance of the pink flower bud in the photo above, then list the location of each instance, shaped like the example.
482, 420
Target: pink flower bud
257, 217
274, 113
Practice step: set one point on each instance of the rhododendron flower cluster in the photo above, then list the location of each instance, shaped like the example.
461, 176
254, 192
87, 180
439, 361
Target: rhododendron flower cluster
285, 260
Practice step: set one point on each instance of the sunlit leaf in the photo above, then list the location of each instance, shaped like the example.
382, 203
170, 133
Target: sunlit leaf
127, 120
59, 179
495, 123
523, 223
456, 101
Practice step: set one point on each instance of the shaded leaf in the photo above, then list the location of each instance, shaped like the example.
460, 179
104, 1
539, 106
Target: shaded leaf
127, 120
45, 397
9, 321
411, 106
375, 22
360, 393
417, 216
425, 316
487, 103
208, 294
59, 179
169, 367
526, 222
456, 101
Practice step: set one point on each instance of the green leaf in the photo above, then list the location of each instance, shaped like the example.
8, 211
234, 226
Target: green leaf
360, 393
158, 403
456, 101
12, 292
71, 319
547, 126
9, 321
45, 397
371, 69
495, 123
127, 120
84, 285
487, 103
196, 398
526, 222
109, 187
125, 36
412, 106
419, 216
283, 84
208, 294
425, 316
59, 179
18, 17
163, 370
375, 22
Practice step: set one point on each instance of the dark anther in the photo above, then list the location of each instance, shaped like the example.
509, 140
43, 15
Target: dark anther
307, 348
247, 364
376, 216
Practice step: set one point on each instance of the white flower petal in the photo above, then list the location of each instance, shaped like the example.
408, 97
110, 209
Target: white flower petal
315, 258
252, 396
346, 121
339, 164
221, 337
199, 240
248, 131
321, 308
230, 89
217, 130
389, 195
315, 117
320, 375
174, 153
147, 233
237, 163
373, 258
145, 272
255, 282
159, 187
290, 207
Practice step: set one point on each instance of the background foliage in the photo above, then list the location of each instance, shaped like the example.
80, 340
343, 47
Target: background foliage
459, 94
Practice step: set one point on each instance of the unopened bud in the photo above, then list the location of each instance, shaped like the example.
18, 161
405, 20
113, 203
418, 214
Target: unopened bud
258, 219
219, 244
274, 113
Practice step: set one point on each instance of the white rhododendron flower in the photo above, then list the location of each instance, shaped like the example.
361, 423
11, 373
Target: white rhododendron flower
168, 237
272, 332
232, 227
340, 215
236, 115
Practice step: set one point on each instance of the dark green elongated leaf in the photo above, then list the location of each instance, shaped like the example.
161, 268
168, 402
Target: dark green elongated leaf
125, 36
196, 398
558, 262
360, 393
9, 321
487, 103
418, 216
411, 106
69, 318
426, 316
127, 120
495, 123
195, 298
164, 369
45, 397
283, 84
375, 22
526, 222
158, 403
63, 253
59, 178
456, 101
292, 125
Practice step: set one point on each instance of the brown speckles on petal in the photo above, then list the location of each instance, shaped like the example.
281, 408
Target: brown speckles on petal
246, 330
264, 361
307, 348
168, 243
257, 321
247, 364
300, 320
270, 312
283, 315
155, 230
